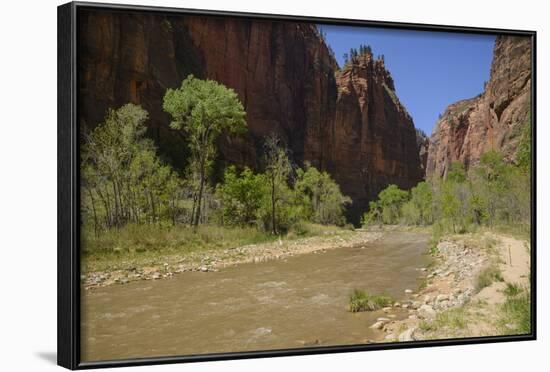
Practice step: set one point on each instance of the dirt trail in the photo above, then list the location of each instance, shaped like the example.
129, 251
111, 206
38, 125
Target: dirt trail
514, 264
449, 305
518, 267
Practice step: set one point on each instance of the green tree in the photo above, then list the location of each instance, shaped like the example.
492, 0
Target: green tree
523, 157
451, 204
387, 209
277, 171
373, 215
491, 177
478, 207
203, 109
319, 197
503, 188
123, 180
107, 154
419, 209
390, 201
492, 192
241, 196
457, 173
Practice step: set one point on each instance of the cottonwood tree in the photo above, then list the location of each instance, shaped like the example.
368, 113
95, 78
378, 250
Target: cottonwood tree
241, 196
319, 196
390, 200
419, 209
277, 171
203, 109
123, 180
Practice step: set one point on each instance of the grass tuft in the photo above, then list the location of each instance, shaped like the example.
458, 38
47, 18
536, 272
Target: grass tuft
515, 316
362, 301
427, 326
452, 318
488, 276
305, 229
512, 289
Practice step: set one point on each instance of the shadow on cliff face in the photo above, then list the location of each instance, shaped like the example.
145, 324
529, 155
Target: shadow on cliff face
348, 122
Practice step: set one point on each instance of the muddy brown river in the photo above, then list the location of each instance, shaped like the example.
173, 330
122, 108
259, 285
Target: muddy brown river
296, 302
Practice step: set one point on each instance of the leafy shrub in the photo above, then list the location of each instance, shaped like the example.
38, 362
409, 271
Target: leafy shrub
241, 196
387, 209
492, 193
319, 197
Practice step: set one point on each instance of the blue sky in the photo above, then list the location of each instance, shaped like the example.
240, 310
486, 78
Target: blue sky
430, 69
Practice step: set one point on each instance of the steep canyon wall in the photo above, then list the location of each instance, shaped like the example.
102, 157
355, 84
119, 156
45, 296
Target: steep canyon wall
348, 122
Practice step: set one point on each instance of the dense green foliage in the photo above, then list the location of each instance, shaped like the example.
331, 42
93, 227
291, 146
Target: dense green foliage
387, 209
125, 183
241, 197
319, 197
202, 110
272, 202
418, 210
492, 193
123, 180
277, 171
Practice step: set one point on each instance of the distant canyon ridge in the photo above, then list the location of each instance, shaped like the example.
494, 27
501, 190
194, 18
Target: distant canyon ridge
347, 121
491, 121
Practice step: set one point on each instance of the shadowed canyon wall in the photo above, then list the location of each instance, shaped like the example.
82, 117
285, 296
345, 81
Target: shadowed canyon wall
348, 122
491, 121
372, 141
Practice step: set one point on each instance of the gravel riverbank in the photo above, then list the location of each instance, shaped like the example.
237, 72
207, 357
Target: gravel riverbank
213, 260
451, 303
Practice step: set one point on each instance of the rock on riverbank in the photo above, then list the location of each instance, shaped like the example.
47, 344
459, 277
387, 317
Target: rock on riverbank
213, 260
450, 305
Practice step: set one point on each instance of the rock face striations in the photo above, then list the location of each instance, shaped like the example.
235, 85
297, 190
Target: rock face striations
491, 121
348, 122
283, 74
372, 140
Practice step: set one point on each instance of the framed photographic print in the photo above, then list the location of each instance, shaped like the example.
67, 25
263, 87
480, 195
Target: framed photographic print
235, 185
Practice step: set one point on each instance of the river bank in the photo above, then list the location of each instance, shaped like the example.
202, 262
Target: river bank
464, 292
473, 289
293, 302
168, 265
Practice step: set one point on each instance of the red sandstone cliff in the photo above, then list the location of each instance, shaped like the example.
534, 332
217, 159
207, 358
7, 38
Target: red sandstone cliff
490, 121
372, 141
423, 145
348, 122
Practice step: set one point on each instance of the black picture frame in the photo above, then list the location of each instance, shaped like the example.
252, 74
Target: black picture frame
68, 215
